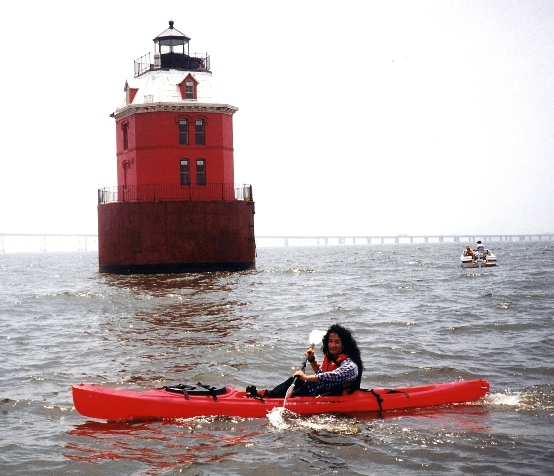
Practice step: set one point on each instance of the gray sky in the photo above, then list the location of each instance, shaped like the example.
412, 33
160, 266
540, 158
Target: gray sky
361, 117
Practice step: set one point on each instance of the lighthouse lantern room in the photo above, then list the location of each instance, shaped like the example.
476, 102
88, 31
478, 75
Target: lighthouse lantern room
176, 207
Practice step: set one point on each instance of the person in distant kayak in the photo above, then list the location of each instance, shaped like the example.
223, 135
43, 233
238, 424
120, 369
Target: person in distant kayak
340, 372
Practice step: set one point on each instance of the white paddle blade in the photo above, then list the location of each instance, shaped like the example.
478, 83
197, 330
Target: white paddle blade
316, 336
289, 391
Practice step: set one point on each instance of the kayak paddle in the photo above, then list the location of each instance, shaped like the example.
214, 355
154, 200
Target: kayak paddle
314, 338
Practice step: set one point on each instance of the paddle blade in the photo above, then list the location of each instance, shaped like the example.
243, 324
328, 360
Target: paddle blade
316, 336
290, 389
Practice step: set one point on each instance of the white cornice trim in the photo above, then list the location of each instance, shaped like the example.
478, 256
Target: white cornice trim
131, 109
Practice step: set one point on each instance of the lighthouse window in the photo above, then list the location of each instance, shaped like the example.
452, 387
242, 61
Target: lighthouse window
200, 172
125, 129
185, 172
183, 132
199, 132
189, 90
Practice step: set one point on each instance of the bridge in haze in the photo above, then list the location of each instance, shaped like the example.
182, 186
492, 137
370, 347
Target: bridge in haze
47, 242
287, 240
88, 242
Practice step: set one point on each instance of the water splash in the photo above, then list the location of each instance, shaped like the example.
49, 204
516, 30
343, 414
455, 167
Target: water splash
277, 419
538, 398
282, 419
504, 399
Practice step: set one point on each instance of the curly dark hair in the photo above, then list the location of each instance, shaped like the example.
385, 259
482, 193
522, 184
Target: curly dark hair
350, 347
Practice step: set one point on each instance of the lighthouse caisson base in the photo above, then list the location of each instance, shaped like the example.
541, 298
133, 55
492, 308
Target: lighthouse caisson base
176, 237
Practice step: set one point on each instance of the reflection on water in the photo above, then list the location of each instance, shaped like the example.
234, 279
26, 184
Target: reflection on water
176, 328
174, 313
158, 445
159, 285
163, 445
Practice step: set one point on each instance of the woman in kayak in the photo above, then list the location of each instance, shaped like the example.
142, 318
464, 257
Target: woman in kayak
340, 371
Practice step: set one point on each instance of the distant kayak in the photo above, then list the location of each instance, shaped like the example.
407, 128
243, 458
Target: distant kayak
189, 401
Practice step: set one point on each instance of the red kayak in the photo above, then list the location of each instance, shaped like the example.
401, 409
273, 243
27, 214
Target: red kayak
176, 402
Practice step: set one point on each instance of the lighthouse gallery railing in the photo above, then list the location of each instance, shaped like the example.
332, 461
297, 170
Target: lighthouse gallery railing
165, 192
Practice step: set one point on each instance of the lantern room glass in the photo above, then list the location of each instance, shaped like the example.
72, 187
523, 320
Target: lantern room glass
173, 45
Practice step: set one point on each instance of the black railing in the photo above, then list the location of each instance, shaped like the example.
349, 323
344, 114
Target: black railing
152, 61
169, 192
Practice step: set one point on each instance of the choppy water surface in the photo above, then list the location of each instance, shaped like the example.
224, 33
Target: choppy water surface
418, 317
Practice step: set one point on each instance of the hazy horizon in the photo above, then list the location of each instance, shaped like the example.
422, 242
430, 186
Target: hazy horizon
335, 235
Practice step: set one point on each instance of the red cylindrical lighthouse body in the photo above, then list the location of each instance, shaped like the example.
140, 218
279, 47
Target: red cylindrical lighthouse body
176, 207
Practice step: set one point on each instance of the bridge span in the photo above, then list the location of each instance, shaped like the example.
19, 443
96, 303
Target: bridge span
89, 242
287, 240
31, 242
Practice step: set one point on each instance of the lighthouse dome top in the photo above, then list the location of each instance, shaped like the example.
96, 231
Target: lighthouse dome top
171, 39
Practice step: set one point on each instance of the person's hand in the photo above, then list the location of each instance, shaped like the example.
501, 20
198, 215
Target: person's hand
310, 354
300, 374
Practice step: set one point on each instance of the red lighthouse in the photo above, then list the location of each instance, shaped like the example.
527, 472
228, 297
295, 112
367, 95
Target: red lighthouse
176, 207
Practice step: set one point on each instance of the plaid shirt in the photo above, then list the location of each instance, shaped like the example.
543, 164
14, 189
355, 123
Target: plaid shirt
347, 372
